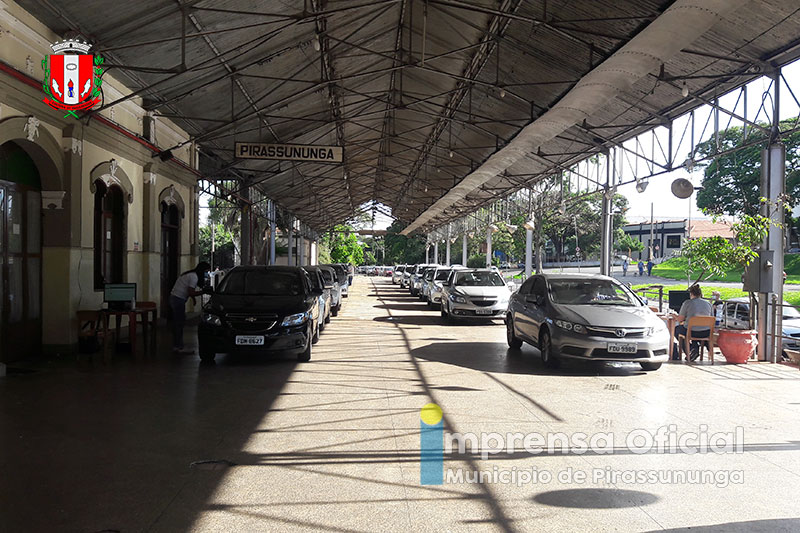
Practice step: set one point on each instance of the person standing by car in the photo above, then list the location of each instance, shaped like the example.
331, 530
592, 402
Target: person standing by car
694, 306
351, 271
625, 266
188, 285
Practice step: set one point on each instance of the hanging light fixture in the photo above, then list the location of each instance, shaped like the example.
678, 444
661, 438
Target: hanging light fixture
685, 89
502, 93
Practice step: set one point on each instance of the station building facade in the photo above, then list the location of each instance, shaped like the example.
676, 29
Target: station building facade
82, 202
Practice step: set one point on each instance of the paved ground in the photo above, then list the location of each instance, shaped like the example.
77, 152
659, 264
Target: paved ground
334, 444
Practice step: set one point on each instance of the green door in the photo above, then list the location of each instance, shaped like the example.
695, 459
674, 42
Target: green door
20, 254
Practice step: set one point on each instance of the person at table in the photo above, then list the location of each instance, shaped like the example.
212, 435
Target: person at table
188, 285
694, 306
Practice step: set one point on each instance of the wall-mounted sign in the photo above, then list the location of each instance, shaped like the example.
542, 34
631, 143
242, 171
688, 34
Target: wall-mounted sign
289, 152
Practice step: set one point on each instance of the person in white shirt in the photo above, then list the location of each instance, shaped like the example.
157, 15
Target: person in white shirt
188, 285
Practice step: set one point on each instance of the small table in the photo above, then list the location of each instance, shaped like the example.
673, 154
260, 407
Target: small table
671, 320
149, 316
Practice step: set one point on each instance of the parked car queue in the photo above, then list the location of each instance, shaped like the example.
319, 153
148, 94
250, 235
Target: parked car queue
266, 309
586, 317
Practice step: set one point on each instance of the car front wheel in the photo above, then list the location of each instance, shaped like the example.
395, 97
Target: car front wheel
513, 341
650, 366
305, 355
315, 336
549, 358
206, 355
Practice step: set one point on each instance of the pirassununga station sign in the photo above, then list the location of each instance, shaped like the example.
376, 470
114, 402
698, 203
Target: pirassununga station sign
289, 152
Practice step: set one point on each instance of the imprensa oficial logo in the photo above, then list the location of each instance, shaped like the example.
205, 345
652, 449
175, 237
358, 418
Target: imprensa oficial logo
72, 77
435, 442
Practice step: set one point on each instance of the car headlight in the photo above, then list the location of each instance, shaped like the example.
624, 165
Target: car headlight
457, 299
569, 326
295, 320
213, 320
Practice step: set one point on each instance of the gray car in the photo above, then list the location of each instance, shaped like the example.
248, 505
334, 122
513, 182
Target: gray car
329, 275
589, 317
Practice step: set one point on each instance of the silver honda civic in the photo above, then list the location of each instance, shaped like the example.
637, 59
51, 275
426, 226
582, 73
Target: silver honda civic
588, 317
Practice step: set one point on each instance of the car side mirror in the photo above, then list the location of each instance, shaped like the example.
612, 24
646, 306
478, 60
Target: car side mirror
329, 287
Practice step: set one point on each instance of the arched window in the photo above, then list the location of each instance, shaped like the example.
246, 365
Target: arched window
109, 234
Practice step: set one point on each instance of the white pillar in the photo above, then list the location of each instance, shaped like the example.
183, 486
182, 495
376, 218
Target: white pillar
606, 223
488, 247
464, 250
290, 260
272, 231
301, 253
447, 252
773, 179
528, 252
435, 253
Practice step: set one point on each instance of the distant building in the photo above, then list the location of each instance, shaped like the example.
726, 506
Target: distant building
670, 235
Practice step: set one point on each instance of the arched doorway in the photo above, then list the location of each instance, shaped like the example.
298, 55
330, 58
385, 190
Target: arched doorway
170, 252
20, 254
109, 234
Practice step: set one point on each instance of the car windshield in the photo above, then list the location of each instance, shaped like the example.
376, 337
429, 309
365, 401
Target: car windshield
590, 292
429, 275
261, 283
790, 312
479, 279
327, 276
441, 275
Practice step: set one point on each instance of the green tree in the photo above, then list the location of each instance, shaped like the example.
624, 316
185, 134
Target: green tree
732, 180
344, 246
224, 246
625, 244
402, 249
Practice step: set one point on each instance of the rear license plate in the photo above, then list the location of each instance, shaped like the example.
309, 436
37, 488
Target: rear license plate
484, 312
249, 340
620, 347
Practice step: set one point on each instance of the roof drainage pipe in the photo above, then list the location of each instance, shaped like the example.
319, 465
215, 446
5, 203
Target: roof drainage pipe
676, 28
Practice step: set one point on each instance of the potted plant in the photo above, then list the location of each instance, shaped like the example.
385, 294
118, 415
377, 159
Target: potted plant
717, 256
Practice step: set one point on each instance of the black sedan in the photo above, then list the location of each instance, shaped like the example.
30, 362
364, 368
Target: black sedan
261, 309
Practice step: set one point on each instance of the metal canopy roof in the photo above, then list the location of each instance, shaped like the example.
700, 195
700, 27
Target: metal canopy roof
420, 93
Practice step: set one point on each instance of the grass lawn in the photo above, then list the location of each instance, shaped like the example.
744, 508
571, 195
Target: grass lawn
675, 268
726, 293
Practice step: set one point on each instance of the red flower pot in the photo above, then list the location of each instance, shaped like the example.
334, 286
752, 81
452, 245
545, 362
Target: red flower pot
737, 345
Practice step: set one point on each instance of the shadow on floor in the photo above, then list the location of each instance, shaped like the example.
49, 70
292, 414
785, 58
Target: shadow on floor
596, 498
498, 357
435, 319
751, 526
93, 444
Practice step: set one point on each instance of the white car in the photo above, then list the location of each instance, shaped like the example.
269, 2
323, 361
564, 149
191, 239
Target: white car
475, 292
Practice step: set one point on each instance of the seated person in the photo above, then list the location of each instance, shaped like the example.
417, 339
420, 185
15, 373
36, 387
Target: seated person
694, 306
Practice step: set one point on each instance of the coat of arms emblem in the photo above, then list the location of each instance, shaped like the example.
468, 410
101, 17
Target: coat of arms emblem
72, 77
